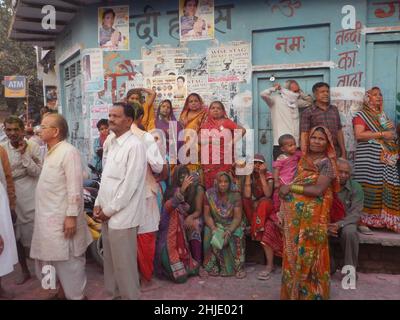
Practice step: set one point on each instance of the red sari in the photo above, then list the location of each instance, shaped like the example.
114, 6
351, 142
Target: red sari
210, 170
258, 210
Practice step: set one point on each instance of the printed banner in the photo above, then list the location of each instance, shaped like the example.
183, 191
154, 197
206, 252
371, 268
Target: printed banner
229, 63
113, 26
196, 20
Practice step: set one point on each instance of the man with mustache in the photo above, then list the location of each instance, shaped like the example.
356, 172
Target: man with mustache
26, 165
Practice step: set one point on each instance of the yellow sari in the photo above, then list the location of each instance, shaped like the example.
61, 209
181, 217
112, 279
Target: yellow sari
193, 120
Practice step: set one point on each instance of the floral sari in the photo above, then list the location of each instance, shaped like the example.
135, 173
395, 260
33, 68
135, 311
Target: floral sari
174, 258
230, 259
305, 265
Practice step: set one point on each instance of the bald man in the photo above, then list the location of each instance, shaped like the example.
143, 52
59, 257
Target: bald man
61, 235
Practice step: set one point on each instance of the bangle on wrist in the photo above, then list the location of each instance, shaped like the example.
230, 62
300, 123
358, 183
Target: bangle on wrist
296, 188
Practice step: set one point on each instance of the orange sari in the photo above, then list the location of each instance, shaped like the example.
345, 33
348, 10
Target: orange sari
306, 265
194, 122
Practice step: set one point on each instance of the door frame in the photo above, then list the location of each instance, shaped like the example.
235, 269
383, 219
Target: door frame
369, 74
287, 73
371, 40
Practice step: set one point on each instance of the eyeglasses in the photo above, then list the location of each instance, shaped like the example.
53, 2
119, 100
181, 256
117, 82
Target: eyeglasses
46, 127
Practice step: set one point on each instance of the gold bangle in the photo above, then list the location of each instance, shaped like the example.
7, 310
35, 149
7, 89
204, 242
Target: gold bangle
296, 188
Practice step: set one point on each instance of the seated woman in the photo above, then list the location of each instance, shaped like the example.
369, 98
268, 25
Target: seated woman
257, 203
305, 206
178, 249
224, 241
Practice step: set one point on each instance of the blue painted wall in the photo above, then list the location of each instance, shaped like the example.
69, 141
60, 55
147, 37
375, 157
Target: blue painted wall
261, 22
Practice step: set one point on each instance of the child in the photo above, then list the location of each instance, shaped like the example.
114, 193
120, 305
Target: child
285, 165
284, 170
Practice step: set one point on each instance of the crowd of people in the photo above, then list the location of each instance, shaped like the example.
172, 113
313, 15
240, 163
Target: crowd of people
164, 214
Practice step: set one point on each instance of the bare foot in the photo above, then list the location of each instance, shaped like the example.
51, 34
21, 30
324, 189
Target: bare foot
23, 277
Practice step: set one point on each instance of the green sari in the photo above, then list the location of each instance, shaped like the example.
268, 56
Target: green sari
230, 259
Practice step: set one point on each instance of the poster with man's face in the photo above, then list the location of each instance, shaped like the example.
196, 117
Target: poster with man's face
113, 28
196, 20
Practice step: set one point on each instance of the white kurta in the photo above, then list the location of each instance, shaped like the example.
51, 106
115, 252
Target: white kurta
25, 170
154, 165
285, 119
59, 194
121, 194
9, 257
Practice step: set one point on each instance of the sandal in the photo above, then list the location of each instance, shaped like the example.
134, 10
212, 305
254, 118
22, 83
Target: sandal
241, 274
264, 275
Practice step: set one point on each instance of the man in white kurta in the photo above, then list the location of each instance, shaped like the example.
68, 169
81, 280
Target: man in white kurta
26, 165
61, 235
8, 248
147, 231
120, 203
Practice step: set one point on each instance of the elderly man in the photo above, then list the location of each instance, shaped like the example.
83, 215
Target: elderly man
322, 113
351, 196
61, 235
120, 204
284, 108
26, 165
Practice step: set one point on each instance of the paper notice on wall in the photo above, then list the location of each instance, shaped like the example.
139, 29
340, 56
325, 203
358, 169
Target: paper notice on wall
229, 63
200, 85
173, 88
97, 112
164, 61
347, 93
92, 69
348, 100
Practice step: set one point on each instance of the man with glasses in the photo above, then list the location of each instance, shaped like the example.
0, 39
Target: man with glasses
61, 235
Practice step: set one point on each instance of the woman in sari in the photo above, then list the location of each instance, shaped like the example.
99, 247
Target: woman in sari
218, 120
224, 241
375, 164
257, 203
164, 115
192, 117
178, 250
305, 206
136, 96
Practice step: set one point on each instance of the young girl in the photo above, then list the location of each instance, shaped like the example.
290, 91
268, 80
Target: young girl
284, 171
